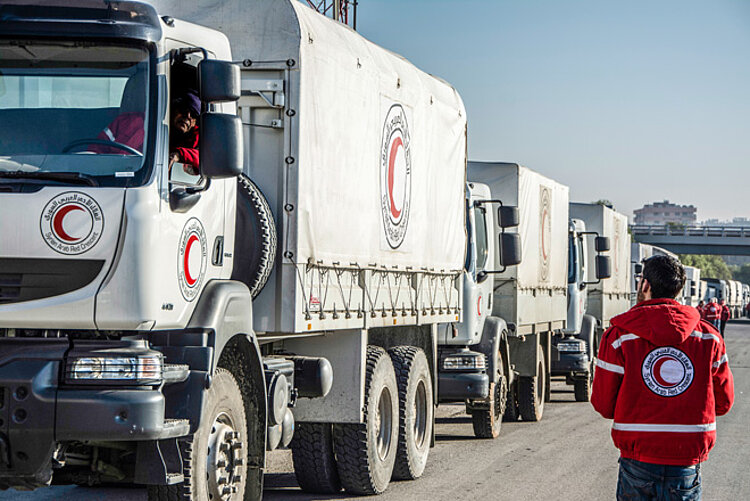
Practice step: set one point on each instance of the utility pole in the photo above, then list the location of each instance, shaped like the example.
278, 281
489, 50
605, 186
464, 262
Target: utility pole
344, 11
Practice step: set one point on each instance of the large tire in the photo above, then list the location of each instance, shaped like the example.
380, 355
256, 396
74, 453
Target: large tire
366, 453
415, 411
255, 239
532, 391
314, 462
512, 413
487, 422
582, 388
221, 440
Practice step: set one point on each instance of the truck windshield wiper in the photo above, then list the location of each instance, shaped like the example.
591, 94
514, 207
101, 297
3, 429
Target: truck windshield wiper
65, 177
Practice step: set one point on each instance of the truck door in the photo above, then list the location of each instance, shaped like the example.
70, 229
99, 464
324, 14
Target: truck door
195, 231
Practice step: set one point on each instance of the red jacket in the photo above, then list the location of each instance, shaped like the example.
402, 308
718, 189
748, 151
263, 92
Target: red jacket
712, 311
127, 129
663, 376
725, 313
187, 147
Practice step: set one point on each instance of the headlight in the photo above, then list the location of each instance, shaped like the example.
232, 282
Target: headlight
464, 362
569, 347
145, 369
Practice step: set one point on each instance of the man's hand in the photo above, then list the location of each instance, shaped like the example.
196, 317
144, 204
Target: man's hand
173, 157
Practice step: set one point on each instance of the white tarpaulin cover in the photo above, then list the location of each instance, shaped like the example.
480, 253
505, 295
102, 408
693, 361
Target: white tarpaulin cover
379, 146
612, 224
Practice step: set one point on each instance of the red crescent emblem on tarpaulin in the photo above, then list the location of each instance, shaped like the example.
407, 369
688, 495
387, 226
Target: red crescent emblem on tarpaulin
397, 143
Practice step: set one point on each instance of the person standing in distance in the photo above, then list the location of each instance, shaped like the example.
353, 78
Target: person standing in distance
663, 376
725, 315
713, 312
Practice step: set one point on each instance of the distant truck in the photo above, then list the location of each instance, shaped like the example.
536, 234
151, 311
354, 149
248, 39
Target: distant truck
506, 346
604, 290
638, 253
169, 331
691, 295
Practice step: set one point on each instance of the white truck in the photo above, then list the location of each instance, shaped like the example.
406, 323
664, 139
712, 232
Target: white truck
691, 295
638, 253
290, 294
518, 308
596, 291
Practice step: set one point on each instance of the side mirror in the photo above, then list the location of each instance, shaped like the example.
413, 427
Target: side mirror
603, 267
638, 268
220, 145
510, 249
693, 292
219, 81
601, 244
507, 215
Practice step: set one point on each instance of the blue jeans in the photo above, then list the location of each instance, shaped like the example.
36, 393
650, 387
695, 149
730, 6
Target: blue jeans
640, 481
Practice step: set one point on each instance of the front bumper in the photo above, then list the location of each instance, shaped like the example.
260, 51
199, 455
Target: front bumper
36, 412
570, 362
457, 387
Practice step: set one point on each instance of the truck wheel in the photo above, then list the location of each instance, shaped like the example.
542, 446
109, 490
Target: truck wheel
314, 462
582, 388
415, 411
512, 412
366, 453
487, 422
255, 238
532, 391
214, 457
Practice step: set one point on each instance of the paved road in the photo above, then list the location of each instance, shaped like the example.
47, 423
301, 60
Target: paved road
567, 456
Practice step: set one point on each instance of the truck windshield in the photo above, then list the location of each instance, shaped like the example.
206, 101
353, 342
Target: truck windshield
73, 108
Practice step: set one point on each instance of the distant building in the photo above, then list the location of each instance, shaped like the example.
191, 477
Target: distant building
666, 212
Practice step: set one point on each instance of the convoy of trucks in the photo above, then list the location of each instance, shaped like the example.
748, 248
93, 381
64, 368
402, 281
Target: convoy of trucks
336, 270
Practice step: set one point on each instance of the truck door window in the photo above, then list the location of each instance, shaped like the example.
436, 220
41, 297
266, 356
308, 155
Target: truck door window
480, 237
581, 258
572, 262
185, 109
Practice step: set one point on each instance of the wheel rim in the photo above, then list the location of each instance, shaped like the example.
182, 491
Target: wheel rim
419, 415
384, 423
224, 459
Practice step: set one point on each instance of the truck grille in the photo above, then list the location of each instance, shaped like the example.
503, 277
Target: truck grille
29, 279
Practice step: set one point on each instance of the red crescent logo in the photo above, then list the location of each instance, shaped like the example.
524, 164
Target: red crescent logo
186, 260
398, 143
656, 371
57, 222
479, 306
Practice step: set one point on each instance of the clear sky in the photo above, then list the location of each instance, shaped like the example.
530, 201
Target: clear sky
635, 101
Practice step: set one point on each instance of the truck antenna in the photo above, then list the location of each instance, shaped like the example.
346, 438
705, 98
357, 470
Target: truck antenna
344, 11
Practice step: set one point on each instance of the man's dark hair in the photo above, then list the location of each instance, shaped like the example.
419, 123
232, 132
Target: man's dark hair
665, 274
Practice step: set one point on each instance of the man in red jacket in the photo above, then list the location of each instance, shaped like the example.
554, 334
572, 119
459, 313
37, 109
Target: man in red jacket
701, 310
713, 312
725, 314
663, 376
183, 140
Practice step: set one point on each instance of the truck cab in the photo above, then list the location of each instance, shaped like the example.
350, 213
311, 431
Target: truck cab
473, 354
573, 351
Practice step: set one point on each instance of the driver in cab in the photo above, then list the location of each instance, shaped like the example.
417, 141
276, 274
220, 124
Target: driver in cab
183, 140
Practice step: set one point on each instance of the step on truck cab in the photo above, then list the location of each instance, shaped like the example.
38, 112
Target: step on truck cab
166, 323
